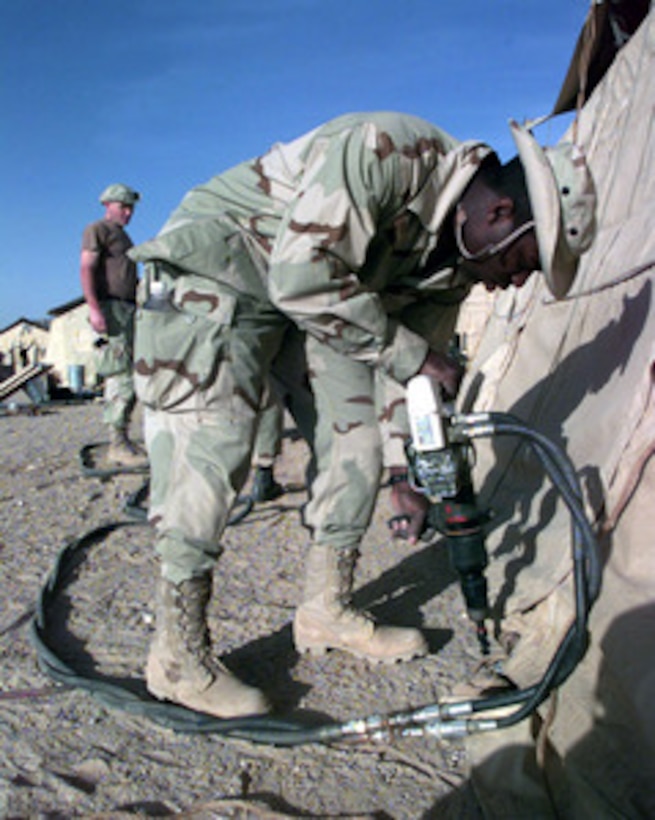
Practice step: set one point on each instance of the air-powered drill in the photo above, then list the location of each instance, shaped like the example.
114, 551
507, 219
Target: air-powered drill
439, 467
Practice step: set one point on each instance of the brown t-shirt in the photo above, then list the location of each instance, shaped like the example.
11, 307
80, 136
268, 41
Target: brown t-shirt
116, 273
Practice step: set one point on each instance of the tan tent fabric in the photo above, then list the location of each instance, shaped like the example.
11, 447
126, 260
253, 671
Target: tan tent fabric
581, 371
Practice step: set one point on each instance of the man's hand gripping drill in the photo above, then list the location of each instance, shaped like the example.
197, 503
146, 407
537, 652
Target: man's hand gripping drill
439, 471
412, 507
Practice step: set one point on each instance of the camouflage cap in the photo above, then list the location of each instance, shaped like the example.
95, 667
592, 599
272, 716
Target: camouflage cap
563, 199
120, 193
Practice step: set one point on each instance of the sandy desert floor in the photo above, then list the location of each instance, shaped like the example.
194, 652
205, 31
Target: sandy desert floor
67, 753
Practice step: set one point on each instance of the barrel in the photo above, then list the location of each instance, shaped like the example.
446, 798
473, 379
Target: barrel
76, 377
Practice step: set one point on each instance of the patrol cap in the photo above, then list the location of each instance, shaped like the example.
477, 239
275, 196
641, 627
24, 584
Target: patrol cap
120, 193
563, 199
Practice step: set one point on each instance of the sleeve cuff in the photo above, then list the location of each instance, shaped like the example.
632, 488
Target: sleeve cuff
403, 358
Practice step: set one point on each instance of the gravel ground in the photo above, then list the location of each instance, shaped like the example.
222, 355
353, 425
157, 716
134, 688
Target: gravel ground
68, 754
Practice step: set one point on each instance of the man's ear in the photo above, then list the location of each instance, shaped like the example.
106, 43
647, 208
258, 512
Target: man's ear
500, 210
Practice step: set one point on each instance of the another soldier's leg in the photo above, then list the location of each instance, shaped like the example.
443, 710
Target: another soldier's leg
119, 394
290, 379
268, 445
200, 455
289, 389
119, 402
349, 460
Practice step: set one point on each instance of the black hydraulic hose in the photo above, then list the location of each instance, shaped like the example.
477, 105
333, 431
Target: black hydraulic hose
584, 587
133, 507
257, 729
571, 648
585, 574
89, 468
560, 474
436, 720
586, 564
574, 643
560, 667
587, 584
561, 471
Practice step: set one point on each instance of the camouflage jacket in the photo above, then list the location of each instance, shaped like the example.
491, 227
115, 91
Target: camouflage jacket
336, 229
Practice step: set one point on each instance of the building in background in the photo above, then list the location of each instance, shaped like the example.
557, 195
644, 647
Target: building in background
70, 347
22, 344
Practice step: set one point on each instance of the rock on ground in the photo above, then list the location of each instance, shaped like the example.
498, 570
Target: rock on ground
67, 754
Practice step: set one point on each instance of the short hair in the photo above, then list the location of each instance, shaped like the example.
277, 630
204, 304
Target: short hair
509, 180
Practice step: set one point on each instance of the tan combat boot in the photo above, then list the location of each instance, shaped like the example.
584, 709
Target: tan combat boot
180, 667
325, 620
124, 452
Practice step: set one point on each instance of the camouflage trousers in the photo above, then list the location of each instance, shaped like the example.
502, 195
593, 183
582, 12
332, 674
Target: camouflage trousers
270, 429
200, 433
288, 389
114, 363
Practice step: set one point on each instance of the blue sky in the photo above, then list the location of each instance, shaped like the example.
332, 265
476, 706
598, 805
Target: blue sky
163, 94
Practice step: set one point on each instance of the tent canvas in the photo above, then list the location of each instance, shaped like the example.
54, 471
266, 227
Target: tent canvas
580, 371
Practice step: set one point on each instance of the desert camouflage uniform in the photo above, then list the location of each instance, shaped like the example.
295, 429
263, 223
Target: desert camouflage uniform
114, 362
335, 231
270, 429
288, 388
115, 282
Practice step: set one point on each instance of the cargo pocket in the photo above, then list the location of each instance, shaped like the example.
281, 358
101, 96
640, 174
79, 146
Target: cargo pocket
113, 352
112, 356
177, 351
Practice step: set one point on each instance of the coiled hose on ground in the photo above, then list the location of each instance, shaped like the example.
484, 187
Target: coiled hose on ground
438, 720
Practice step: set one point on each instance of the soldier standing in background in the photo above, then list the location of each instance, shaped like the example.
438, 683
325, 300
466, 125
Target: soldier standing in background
109, 281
